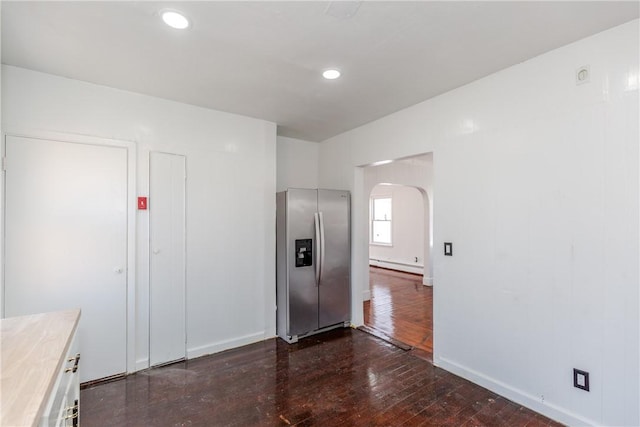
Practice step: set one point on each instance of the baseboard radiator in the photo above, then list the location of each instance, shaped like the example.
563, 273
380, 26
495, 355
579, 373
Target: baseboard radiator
396, 262
396, 265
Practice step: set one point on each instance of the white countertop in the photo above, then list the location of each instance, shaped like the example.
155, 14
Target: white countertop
32, 353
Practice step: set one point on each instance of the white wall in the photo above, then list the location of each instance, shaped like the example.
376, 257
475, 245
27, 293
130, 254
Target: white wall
230, 196
297, 163
406, 253
536, 182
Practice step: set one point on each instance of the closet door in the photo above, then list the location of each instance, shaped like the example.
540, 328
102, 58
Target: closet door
66, 241
167, 198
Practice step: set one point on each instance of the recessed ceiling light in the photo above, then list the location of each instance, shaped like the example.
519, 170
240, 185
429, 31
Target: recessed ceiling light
331, 74
175, 19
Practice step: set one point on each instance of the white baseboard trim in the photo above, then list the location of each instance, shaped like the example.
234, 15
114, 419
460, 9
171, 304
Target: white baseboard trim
366, 295
427, 281
521, 397
142, 364
224, 345
397, 266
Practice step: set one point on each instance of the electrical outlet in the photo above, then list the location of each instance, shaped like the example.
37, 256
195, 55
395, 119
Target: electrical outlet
581, 379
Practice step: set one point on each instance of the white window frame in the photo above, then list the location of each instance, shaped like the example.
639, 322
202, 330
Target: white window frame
372, 220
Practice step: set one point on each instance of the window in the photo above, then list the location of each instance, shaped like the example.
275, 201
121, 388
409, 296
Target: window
381, 220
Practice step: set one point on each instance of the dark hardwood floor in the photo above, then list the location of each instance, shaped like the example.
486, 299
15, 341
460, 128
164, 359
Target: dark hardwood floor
344, 377
401, 308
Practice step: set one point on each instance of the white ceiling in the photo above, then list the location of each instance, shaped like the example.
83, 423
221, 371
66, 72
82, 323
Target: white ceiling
264, 59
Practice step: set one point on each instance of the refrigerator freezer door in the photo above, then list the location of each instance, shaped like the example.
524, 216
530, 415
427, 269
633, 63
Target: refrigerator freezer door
334, 288
303, 292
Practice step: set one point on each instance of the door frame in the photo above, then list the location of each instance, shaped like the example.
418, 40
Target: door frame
131, 148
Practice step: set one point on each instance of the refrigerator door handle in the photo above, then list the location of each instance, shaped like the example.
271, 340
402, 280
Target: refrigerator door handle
316, 223
321, 267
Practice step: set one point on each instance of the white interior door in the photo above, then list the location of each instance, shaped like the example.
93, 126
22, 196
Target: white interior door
66, 242
167, 336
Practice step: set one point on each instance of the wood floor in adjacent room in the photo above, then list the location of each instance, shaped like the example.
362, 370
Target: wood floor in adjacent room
400, 309
344, 377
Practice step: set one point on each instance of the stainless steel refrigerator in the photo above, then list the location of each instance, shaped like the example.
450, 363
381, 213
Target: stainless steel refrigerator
313, 261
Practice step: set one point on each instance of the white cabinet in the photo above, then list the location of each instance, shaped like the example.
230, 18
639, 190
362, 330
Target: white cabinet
63, 406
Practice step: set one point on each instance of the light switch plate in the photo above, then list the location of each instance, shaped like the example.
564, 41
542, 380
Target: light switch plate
581, 379
448, 249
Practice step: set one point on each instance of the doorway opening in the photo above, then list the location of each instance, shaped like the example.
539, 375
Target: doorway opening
398, 306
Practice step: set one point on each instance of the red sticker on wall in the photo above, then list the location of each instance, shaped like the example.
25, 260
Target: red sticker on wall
142, 203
